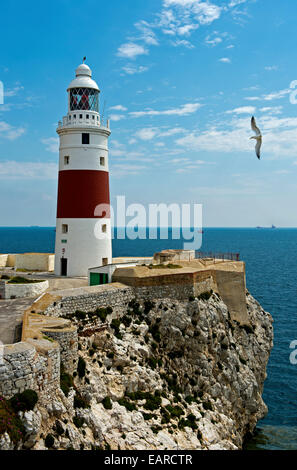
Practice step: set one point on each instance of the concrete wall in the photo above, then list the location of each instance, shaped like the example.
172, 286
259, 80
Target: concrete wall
15, 291
3, 261
35, 261
232, 288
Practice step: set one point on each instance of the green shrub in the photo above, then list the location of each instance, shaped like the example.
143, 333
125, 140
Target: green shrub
81, 367
207, 405
24, 401
126, 320
205, 295
154, 331
59, 428
49, 441
127, 404
78, 422
148, 305
4, 277
10, 422
152, 362
23, 280
106, 402
152, 402
80, 402
66, 381
175, 411
115, 325
101, 312
80, 315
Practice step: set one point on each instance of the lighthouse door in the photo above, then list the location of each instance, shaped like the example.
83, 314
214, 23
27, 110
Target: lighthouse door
63, 266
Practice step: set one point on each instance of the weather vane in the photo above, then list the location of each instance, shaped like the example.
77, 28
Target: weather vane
84, 59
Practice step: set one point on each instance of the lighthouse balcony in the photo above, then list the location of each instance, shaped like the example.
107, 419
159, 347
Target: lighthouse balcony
82, 119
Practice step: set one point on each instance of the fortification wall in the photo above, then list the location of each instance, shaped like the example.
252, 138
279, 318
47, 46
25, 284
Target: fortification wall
29, 365
15, 291
115, 298
35, 261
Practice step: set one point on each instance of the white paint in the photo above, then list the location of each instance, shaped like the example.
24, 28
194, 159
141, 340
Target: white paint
82, 250
80, 246
110, 269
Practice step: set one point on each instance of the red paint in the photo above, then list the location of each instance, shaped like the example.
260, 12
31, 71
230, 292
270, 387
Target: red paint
80, 192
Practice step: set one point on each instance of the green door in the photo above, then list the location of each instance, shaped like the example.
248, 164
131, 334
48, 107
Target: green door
94, 279
103, 278
98, 278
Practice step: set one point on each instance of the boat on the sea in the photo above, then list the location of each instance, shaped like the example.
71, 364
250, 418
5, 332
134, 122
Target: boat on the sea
272, 227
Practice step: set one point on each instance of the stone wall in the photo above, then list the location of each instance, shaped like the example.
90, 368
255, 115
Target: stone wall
68, 342
2, 289
15, 291
29, 365
113, 297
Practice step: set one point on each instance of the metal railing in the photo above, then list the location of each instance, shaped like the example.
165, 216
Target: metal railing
218, 256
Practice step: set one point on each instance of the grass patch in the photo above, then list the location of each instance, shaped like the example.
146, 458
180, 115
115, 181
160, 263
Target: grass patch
23, 280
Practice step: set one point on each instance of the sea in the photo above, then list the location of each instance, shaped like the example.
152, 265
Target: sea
270, 255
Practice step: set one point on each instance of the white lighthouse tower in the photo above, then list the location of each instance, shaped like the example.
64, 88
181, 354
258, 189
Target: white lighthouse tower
83, 231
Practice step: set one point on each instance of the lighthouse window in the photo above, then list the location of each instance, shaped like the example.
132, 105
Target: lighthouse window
66, 160
80, 116
64, 228
104, 227
85, 139
102, 161
84, 98
87, 116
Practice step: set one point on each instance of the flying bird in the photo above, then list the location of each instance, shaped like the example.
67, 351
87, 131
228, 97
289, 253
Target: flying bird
257, 137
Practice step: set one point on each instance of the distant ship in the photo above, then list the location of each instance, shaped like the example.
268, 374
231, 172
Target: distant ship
272, 227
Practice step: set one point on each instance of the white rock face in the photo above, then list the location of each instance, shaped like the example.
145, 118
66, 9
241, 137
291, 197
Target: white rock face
182, 376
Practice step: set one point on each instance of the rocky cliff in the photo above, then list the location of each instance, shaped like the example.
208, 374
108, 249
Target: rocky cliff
163, 374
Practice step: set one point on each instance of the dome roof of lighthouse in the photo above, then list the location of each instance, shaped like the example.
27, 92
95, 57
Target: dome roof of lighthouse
83, 78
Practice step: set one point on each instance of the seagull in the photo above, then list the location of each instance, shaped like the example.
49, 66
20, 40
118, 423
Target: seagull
258, 137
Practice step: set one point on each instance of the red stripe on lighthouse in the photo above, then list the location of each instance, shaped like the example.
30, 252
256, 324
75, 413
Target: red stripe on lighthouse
80, 192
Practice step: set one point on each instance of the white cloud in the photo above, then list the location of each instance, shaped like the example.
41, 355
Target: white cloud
13, 91
131, 50
242, 110
279, 137
275, 95
10, 132
28, 170
117, 117
132, 69
183, 42
121, 170
52, 144
225, 60
183, 110
271, 68
146, 134
148, 35
118, 107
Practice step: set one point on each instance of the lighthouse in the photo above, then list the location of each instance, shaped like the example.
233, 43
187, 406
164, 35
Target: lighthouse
83, 230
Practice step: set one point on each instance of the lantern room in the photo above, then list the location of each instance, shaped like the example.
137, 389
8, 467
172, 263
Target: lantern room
83, 91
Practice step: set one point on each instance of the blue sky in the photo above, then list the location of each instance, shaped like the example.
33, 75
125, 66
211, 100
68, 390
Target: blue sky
180, 80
